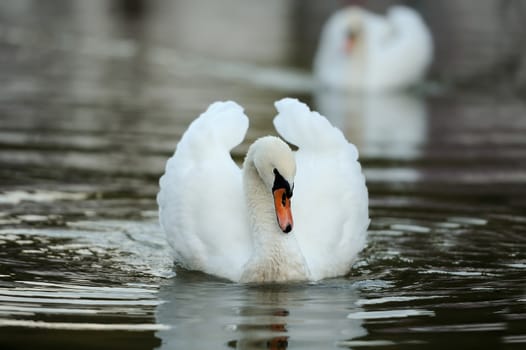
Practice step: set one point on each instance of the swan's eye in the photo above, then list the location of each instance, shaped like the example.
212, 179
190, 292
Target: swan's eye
352, 34
280, 182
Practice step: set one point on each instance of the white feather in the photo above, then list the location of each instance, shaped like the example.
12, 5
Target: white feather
205, 211
201, 203
330, 203
391, 52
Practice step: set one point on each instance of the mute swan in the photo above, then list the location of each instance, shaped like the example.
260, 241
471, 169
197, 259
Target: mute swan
360, 50
285, 216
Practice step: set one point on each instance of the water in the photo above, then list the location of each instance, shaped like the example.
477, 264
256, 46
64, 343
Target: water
89, 113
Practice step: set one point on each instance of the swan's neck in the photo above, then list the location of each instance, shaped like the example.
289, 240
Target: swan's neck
277, 255
356, 64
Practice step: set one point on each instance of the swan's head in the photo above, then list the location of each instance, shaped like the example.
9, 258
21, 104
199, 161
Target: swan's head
346, 30
354, 29
276, 167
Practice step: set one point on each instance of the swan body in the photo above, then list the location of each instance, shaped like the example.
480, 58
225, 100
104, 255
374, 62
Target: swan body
360, 50
284, 216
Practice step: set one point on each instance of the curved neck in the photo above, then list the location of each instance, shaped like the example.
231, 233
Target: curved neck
260, 204
277, 256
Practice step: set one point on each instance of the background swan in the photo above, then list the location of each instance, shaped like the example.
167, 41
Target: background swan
361, 50
285, 216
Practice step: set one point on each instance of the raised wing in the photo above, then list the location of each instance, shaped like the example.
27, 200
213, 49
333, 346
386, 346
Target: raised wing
201, 203
402, 51
330, 203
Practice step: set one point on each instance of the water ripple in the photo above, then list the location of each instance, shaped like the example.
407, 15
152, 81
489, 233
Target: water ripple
372, 315
135, 327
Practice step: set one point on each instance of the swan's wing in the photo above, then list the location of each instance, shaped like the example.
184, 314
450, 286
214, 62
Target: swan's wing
330, 202
201, 203
403, 56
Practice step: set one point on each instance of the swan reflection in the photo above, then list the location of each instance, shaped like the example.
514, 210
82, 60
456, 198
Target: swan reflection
205, 314
393, 125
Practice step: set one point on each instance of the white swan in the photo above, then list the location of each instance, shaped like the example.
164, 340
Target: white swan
360, 50
285, 216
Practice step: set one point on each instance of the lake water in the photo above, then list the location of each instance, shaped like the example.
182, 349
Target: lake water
91, 109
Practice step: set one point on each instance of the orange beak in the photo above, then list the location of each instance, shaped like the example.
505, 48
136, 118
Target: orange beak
283, 211
349, 44
350, 41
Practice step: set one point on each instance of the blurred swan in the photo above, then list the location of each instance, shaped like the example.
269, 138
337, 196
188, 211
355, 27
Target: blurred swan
244, 224
360, 50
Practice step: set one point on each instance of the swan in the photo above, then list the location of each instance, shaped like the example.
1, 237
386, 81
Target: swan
284, 216
360, 50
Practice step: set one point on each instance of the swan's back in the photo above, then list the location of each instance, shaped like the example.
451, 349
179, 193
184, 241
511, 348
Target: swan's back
330, 203
201, 204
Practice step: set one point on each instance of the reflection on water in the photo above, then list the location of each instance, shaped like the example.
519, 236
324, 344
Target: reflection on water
391, 125
385, 127
247, 317
89, 113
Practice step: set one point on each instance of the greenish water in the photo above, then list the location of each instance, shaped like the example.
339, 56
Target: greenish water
89, 113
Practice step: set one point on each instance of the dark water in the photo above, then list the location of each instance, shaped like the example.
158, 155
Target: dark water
92, 103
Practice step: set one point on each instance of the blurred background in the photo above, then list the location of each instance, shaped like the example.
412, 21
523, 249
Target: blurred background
478, 43
99, 88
